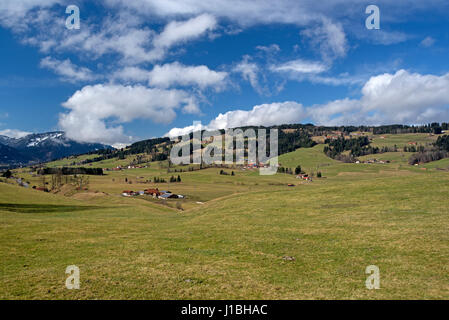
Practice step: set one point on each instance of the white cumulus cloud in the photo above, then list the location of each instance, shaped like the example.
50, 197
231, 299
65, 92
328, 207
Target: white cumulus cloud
177, 32
260, 115
93, 107
67, 70
175, 73
402, 97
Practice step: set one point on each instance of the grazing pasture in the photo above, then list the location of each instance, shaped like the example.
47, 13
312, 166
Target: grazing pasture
238, 237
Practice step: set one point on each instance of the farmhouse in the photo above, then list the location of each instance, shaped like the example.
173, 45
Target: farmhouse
304, 177
153, 192
127, 193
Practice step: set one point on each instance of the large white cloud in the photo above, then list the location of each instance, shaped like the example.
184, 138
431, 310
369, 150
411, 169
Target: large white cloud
338, 112
264, 114
406, 97
260, 115
175, 73
92, 107
402, 97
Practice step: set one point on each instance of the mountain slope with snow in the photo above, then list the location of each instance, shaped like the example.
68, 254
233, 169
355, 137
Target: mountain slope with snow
42, 147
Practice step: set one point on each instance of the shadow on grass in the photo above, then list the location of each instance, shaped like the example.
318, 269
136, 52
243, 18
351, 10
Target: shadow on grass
43, 208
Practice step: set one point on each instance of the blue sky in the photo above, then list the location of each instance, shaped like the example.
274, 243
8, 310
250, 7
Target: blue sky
146, 68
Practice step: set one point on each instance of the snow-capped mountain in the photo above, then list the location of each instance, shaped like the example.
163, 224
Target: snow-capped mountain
5, 140
42, 147
52, 138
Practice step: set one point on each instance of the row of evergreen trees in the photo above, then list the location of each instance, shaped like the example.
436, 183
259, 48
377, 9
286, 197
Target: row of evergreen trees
71, 171
173, 179
162, 180
224, 173
443, 143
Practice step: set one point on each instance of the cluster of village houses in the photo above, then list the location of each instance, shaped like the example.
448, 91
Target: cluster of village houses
155, 193
370, 161
255, 166
119, 168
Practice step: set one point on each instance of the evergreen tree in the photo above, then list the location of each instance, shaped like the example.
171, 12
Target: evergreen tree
7, 174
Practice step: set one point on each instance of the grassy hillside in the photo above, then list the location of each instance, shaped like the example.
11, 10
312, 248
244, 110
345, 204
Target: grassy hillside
239, 237
309, 158
402, 140
69, 161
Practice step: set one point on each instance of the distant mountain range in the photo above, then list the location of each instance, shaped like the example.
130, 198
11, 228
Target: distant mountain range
41, 147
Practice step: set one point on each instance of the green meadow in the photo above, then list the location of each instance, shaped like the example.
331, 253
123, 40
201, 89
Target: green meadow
245, 236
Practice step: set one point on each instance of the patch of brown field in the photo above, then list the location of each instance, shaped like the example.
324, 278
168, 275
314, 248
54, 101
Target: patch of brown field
66, 190
352, 173
289, 130
319, 139
89, 195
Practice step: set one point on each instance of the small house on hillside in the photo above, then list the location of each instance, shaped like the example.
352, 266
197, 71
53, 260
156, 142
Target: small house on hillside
127, 193
303, 177
153, 192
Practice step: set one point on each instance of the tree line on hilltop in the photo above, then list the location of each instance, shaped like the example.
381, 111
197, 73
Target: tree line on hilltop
300, 136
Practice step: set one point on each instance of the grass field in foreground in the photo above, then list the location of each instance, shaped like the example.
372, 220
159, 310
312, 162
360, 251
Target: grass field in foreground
235, 244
